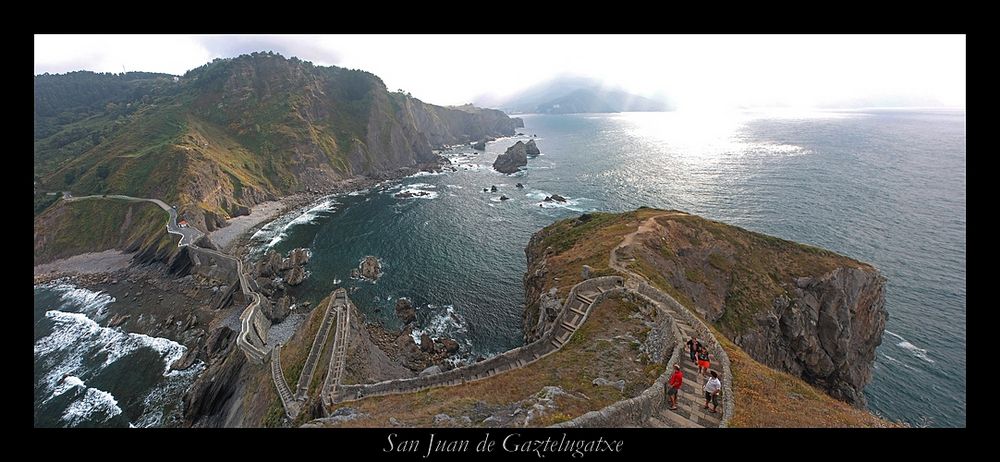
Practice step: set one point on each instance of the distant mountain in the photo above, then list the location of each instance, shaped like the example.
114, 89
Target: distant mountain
567, 95
235, 132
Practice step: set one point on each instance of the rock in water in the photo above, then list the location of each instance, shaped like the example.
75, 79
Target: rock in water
510, 161
530, 148
554, 198
519, 186
295, 276
299, 257
493, 188
405, 311
480, 145
450, 345
370, 268
503, 198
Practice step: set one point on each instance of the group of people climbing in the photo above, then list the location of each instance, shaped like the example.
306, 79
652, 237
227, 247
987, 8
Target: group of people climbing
703, 359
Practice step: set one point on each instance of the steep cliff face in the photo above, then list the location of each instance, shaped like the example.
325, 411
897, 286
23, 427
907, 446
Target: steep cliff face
236, 132
825, 330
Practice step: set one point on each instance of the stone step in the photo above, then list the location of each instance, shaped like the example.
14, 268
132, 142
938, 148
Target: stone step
675, 420
577, 310
656, 423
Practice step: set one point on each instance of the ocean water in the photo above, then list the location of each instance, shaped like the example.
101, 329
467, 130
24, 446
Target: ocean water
883, 186
86, 375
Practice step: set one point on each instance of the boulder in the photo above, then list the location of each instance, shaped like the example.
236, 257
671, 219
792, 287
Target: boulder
295, 276
450, 345
511, 160
370, 268
519, 186
503, 198
426, 344
405, 311
299, 256
493, 188
479, 145
435, 369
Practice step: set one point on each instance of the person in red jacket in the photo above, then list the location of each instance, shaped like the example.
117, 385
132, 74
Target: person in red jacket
674, 385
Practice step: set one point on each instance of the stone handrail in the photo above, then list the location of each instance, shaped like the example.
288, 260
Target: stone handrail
703, 333
338, 357
509, 360
315, 351
639, 408
285, 393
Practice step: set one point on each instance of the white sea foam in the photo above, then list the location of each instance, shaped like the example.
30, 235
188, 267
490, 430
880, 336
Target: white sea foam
421, 173
75, 335
418, 193
93, 405
894, 334
81, 299
277, 230
70, 382
916, 351
453, 186
443, 323
909, 347
358, 192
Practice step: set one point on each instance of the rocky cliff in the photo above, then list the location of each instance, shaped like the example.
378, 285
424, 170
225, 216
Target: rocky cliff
236, 132
796, 308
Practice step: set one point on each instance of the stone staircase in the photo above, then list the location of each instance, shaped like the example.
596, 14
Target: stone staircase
312, 360
691, 412
285, 393
338, 358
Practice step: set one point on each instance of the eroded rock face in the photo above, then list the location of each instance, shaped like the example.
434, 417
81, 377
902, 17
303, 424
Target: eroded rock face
295, 276
826, 332
530, 148
511, 160
405, 311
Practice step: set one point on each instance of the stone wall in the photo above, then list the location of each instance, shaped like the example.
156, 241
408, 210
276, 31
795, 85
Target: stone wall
636, 410
707, 339
511, 359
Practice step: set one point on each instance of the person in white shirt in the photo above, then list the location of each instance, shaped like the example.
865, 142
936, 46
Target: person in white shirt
712, 388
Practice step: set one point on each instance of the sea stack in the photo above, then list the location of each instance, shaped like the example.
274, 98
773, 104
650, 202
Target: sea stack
531, 149
510, 161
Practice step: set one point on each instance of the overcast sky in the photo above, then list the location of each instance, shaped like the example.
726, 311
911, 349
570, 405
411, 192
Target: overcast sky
695, 71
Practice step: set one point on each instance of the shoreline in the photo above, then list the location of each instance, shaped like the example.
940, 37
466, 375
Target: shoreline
238, 246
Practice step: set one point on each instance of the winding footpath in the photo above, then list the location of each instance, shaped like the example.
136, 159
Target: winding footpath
582, 298
252, 338
188, 235
690, 412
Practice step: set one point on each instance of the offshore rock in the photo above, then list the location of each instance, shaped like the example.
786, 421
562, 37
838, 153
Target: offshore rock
511, 160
